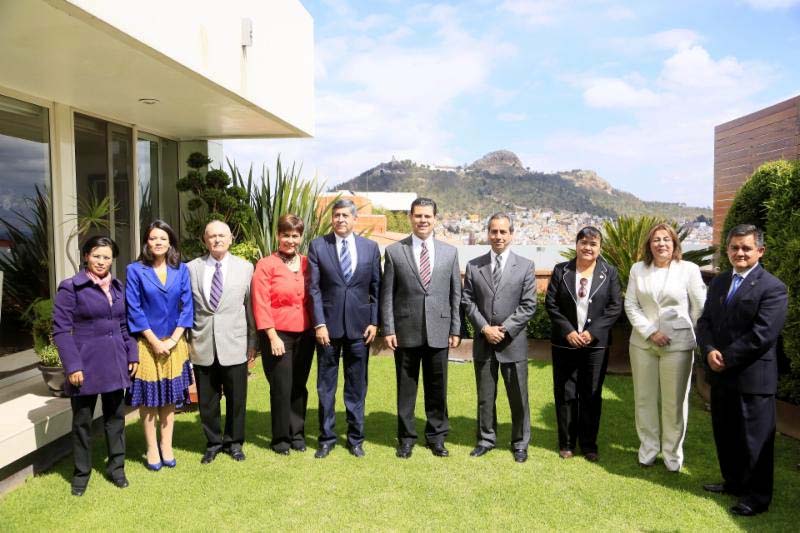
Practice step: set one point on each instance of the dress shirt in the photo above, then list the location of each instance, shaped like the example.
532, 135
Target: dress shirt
351, 246
743, 275
503, 259
208, 273
416, 246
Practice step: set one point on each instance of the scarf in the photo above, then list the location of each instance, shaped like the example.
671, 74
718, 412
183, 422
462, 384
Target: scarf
103, 283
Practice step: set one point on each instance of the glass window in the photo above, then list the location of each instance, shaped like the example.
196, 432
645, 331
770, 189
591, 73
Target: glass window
148, 165
24, 216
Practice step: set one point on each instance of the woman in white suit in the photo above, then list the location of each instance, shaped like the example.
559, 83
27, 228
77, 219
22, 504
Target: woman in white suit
664, 299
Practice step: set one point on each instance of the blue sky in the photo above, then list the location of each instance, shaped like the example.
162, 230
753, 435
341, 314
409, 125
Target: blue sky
631, 90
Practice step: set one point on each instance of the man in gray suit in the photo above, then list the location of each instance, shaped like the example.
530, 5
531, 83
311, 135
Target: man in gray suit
420, 298
499, 298
223, 340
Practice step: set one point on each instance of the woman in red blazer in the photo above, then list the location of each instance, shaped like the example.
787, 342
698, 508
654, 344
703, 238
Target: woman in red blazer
279, 293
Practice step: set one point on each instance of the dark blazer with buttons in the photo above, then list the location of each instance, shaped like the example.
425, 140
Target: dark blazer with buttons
605, 303
511, 305
745, 331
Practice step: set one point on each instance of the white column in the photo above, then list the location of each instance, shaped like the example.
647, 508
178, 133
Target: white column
65, 192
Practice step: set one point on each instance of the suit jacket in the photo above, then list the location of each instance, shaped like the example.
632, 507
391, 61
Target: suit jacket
346, 308
605, 303
672, 309
745, 331
409, 311
92, 336
159, 308
511, 305
229, 329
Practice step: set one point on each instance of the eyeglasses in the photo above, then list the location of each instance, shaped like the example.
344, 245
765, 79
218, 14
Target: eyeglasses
582, 290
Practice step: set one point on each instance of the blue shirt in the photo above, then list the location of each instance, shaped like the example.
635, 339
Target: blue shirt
155, 306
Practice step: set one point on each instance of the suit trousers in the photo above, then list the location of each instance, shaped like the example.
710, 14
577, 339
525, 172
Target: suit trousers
213, 381
114, 426
288, 395
355, 355
515, 378
660, 375
578, 376
744, 433
407, 362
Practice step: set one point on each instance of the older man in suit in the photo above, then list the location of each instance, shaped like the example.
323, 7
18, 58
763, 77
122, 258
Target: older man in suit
738, 333
420, 301
499, 298
344, 289
223, 340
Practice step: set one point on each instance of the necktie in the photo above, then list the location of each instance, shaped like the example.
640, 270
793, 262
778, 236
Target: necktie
216, 287
737, 280
498, 271
424, 266
346, 262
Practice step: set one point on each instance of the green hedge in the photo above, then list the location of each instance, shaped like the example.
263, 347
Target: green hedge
538, 327
770, 200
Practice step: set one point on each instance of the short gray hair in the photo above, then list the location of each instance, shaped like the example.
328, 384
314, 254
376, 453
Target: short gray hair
215, 221
743, 230
345, 203
501, 216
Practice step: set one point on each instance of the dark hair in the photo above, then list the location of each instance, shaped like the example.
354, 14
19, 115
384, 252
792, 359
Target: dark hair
743, 230
423, 202
96, 241
173, 254
290, 222
589, 232
647, 253
345, 203
500, 216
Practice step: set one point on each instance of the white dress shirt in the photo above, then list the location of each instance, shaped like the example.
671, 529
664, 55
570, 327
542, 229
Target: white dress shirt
416, 245
351, 246
208, 273
503, 259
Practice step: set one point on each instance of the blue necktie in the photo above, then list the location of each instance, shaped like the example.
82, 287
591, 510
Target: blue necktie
737, 280
216, 287
346, 262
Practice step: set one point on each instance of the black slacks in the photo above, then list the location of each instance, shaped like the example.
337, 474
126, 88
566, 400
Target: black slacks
578, 376
407, 362
114, 427
744, 433
212, 382
515, 377
288, 396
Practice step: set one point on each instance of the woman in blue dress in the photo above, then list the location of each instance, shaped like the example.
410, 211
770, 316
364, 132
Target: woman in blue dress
160, 309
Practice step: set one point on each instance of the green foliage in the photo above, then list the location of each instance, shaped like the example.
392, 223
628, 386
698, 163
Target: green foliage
93, 214
539, 326
48, 355
246, 250
40, 316
770, 200
276, 195
395, 220
623, 244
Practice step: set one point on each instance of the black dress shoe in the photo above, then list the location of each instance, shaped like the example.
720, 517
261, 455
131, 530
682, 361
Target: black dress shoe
404, 451
438, 449
121, 482
742, 509
281, 452
78, 491
480, 451
520, 456
720, 488
301, 447
592, 457
236, 453
323, 451
209, 456
356, 450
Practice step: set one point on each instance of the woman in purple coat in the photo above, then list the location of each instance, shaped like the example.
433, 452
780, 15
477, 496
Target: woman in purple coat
99, 357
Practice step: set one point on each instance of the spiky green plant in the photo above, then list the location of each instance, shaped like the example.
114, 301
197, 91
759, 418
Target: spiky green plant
93, 214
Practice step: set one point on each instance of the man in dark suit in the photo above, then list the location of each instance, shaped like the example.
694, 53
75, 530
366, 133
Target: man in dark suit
499, 298
344, 289
420, 300
737, 333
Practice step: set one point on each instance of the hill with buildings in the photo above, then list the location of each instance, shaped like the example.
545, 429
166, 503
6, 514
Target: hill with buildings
499, 181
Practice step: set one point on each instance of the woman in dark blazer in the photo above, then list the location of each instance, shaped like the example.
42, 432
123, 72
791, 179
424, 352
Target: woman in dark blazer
90, 331
281, 305
160, 309
583, 301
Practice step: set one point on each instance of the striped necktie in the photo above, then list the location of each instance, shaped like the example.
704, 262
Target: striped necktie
346, 262
424, 266
498, 271
216, 286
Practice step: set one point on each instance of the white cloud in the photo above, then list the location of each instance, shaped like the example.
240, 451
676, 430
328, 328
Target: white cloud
617, 93
767, 5
669, 40
512, 117
535, 12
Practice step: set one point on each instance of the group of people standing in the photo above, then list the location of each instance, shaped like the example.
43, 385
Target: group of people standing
129, 344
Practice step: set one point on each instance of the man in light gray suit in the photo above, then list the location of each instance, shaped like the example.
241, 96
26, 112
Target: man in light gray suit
420, 298
499, 299
223, 340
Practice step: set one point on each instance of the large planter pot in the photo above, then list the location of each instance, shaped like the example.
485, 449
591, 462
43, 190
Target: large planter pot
788, 418
619, 361
54, 378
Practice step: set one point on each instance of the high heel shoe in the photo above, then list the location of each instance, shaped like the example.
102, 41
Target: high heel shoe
154, 467
169, 464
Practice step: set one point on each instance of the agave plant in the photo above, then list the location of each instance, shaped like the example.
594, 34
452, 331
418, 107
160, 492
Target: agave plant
92, 214
278, 194
623, 242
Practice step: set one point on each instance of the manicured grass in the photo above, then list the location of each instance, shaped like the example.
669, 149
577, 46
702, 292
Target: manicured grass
381, 492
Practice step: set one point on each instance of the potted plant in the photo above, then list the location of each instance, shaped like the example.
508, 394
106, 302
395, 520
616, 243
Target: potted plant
40, 316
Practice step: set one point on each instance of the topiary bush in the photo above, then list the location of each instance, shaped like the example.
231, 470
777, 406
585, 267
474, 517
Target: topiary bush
770, 200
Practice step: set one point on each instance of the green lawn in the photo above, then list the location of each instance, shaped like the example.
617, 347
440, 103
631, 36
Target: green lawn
381, 492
